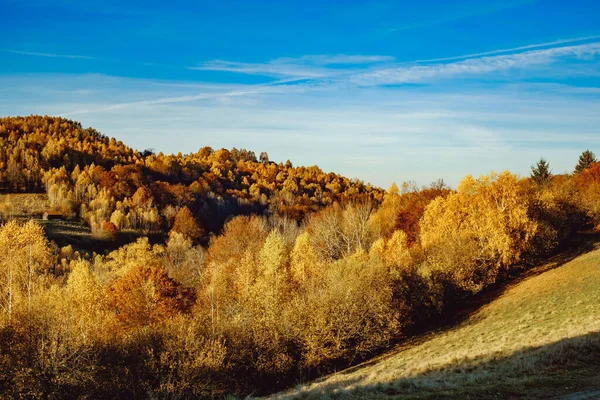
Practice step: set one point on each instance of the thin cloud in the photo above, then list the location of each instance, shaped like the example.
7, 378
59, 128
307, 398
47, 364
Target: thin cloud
298, 78
53, 55
511, 50
266, 69
309, 66
473, 66
337, 59
273, 87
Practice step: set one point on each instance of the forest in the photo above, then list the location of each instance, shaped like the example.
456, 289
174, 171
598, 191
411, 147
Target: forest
248, 276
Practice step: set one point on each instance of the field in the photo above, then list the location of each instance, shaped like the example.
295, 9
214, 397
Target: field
537, 338
80, 237
23, 204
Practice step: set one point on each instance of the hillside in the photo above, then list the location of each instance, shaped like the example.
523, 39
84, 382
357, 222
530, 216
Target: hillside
218, 273
88, 176
538, 338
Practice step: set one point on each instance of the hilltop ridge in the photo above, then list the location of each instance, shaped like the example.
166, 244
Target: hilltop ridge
74, 165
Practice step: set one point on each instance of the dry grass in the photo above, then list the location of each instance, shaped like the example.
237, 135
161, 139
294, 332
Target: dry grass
538, 339
23, 204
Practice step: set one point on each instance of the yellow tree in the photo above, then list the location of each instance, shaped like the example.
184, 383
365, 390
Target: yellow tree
483, 227
272, 274
273, 256
396, 254
304, 263
24, 252
384, 220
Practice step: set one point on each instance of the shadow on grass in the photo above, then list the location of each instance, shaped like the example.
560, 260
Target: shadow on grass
65, 233
567, 366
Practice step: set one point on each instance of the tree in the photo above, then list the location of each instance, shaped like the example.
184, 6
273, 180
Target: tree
109, 229
87, 304
118, 219
146, 295
540, 172
586, 159
384, 220
483, 227
273, 255
264, 157
397, 254
24, 252
337, 232
186, 224
588, 182
304, 261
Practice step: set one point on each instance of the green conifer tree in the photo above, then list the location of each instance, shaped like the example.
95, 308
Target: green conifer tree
586, 159
540, 172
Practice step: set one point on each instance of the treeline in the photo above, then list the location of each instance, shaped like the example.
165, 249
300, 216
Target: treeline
112, 187
270, 302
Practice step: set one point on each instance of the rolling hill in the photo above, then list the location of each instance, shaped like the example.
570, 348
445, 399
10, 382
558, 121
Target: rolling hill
220, 273
536, 338
77, 165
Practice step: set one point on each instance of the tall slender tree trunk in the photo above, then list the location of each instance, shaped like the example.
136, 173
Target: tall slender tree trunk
10, 279
29, 281
212, 309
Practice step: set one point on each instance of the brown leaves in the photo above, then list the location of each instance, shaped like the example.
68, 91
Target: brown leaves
471, 234
146, 295
186, 224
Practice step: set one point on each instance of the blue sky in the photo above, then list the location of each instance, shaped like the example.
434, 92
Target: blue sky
382, 91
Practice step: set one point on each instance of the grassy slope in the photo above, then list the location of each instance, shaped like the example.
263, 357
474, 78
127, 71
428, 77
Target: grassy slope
24, 206
539, 338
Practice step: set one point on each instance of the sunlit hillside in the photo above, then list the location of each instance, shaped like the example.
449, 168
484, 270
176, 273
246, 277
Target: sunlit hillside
539, 338
364, 199
220, 273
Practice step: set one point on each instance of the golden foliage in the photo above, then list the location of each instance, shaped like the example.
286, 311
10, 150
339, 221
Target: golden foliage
25, 255
146, 295
483, 227
270, 299
86, 174
186, 224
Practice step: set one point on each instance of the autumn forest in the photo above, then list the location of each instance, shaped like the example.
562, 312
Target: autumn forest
222, 272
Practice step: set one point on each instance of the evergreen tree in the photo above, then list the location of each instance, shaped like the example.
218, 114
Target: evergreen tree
540, 172
586, 159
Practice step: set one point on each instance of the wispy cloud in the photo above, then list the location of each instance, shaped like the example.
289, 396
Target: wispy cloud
315, 73
472, 67
53, 55
309, 66
337, 59
415, 133
511, 50
273, 87
363, 70
267, 69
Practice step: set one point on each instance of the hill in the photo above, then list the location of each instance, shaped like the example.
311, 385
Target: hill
248, 276
537, 338
89, 177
